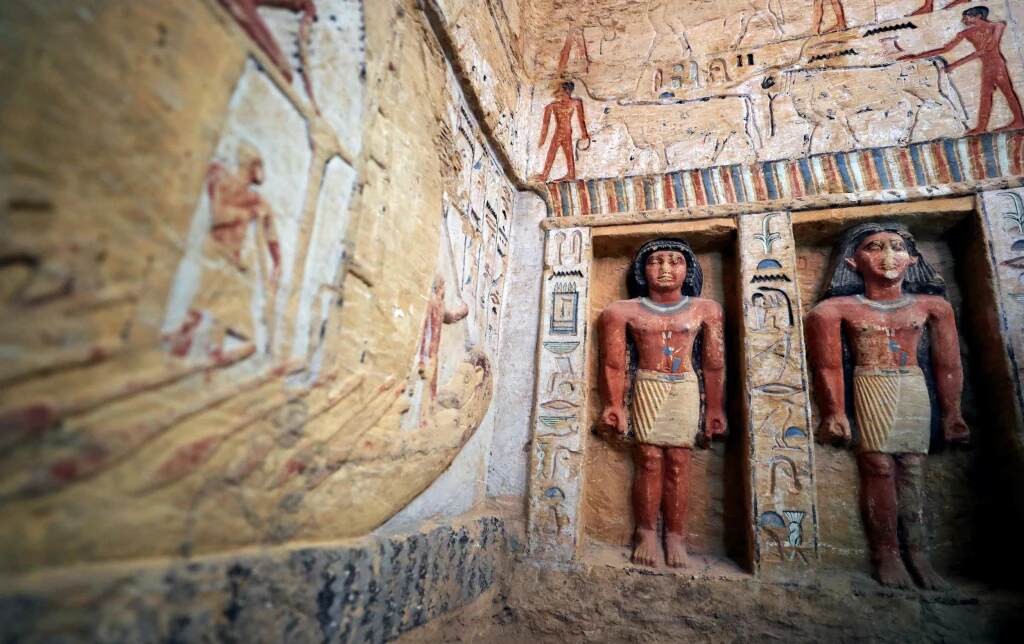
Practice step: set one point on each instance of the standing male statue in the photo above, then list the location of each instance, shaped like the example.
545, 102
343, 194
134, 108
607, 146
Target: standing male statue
882, 298
650, 340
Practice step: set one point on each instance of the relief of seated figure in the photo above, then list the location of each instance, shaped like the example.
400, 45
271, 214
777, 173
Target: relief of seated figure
659, 329
882, 299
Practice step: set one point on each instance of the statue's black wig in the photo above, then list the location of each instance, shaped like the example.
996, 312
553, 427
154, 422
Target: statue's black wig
920, 278
636, 281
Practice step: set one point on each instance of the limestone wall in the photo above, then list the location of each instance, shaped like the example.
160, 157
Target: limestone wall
227, 268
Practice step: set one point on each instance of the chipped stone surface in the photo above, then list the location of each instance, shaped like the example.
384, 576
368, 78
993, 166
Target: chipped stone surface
371, 591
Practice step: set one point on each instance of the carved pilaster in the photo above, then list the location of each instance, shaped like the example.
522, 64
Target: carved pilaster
778, 414
556, 463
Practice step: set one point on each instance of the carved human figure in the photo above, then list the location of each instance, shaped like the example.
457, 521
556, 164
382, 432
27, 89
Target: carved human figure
929, 6
562, 110
236, 207
660, 327
986, 36
437, 315
818, 16
235, 203
246, 14
882, 299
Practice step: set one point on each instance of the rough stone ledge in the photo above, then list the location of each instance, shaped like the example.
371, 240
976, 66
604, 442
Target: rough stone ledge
625, 603
370, 591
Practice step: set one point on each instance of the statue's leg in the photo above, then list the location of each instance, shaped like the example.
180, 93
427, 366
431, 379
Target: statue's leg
675, 503
910, 487
878, 508
647, 486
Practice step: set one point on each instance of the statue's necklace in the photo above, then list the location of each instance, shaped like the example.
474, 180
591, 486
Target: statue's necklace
886, 306
665, 309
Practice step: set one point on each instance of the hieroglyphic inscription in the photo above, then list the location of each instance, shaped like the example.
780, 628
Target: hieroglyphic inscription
557, 453
1004, 215
779, 415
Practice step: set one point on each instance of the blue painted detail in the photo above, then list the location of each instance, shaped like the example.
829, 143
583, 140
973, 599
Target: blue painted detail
768, 263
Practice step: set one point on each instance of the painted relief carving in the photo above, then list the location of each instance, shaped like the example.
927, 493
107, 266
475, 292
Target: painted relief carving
246, 13
228, 284
561, 111
818, 16
437, 315
765, 82
661, 326
986, 36
882, 298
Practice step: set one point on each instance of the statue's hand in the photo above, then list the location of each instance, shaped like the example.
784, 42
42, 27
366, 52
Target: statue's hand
715, 424
834, 429
613, 421
955, 430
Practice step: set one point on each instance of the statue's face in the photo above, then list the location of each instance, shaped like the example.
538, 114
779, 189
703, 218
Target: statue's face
882, 256
665, 270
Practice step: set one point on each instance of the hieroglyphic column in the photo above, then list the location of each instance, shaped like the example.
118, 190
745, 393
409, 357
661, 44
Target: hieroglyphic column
778, 413
556, 462
1003, 211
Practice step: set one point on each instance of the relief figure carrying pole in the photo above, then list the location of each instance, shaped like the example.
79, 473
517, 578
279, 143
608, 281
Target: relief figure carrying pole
986, 36
562, 109
883, 297
660, 328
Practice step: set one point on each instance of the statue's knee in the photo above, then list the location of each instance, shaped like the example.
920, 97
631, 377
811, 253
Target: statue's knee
876, 465
648, 460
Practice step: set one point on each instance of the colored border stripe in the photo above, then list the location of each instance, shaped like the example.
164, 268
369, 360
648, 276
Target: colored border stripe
844, 173
883, 175
991, 169
737, 182
949, 147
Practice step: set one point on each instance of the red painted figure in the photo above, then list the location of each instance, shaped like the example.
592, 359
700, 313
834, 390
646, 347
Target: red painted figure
818, 16
662, 324
235, 202
986, 36
929, 6
246, 14
882, 298
437, 315
562, 110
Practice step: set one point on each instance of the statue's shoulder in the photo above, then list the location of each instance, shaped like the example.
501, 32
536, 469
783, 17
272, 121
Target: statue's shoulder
706, 304
936, 303
833, 305
621, 308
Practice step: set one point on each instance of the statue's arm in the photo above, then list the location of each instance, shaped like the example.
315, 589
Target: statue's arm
949, 372
612, 375
713, 366
823, 332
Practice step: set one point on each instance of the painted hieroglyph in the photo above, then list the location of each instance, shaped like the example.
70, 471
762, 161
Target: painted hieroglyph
558, 417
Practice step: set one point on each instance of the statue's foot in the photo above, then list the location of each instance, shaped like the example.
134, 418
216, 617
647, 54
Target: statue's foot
675, 550
923, 573
890, 571
645, 547
974, 131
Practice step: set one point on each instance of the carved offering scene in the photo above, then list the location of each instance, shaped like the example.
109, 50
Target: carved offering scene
660, 447
671, 86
